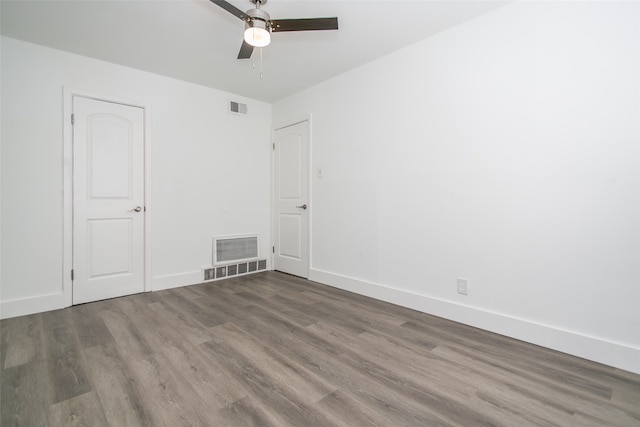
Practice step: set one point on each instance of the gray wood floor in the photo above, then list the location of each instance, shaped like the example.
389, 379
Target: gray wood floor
274, 350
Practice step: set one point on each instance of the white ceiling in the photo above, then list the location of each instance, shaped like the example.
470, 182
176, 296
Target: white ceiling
197, 41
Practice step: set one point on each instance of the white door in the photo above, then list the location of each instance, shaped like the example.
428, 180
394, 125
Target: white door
108, 200
291, 199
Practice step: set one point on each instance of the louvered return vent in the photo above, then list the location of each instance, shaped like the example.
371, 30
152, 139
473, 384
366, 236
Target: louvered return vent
234, 256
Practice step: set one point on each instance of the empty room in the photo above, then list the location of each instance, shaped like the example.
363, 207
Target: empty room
321, 213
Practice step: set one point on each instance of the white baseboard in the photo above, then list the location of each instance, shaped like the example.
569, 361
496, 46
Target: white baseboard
170, 281
40, 304
32, 305
600, 350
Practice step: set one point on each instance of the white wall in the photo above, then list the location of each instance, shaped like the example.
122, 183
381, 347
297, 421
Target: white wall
505, 150
210, 170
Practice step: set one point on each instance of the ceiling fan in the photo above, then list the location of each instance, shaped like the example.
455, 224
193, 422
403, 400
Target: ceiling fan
259, 25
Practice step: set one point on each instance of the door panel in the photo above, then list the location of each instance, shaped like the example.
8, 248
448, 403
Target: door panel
110, 151
290, 152
290, 230
109, 247
291, 199
108, 178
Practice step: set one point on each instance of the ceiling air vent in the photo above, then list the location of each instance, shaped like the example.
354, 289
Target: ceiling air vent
237, 108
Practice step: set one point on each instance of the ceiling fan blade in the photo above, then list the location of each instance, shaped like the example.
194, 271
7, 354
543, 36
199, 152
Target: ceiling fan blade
306, 24
230, 8
245, 51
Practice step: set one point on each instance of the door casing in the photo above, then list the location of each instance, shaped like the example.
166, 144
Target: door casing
67, 233
274, 207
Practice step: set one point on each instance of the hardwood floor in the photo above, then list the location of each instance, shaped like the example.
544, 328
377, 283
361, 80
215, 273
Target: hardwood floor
273, 350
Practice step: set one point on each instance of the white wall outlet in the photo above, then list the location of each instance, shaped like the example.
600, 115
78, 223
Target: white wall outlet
463, 286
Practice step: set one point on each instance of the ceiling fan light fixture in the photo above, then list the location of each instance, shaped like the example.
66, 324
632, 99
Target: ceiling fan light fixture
259, 25
257, 33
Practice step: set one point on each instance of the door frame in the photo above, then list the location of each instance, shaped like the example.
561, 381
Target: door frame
67, 226
281, 125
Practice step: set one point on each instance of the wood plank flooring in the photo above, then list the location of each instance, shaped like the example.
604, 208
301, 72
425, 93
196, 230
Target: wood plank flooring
273, 350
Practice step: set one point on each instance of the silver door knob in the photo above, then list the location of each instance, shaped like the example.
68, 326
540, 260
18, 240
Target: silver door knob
136, 209
302, 207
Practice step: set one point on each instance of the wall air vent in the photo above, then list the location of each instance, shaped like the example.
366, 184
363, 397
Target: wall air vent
234, 256
242, 268
237, 108
253, 266
208, 274
219, 272
232, 270
227, 250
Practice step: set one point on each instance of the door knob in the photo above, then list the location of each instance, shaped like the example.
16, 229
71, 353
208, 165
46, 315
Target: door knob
302, 207
136, 209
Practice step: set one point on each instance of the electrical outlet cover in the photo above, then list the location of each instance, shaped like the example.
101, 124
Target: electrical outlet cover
463, 286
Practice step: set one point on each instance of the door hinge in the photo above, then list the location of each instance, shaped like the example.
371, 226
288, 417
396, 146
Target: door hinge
73, 119
274, 146
273, 249
72, 275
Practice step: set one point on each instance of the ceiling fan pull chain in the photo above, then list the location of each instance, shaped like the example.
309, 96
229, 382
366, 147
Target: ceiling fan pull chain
261, 76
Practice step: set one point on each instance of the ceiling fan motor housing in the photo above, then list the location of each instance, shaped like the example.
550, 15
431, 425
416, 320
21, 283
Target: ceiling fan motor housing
258, 18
